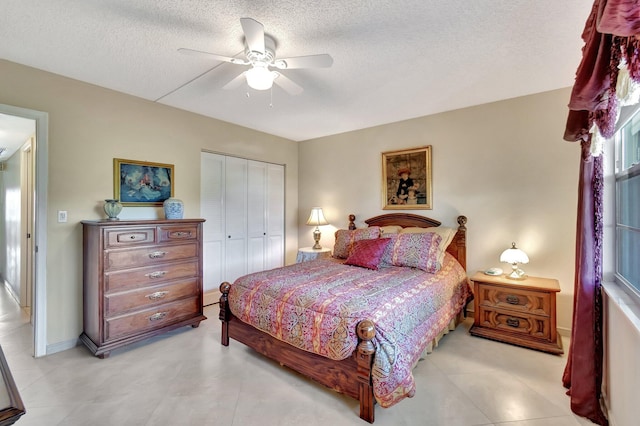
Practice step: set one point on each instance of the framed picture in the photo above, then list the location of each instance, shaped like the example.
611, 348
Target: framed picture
140, 183
406, 179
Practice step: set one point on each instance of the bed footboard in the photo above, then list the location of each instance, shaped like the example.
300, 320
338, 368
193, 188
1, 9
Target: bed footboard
351, 376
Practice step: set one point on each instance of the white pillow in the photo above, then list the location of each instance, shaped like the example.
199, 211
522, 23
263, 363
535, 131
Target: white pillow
385, 231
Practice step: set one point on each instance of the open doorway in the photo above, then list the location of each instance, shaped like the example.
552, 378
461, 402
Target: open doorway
24, 218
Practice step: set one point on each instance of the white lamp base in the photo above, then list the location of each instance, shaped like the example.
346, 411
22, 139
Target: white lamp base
316, 238
516, 273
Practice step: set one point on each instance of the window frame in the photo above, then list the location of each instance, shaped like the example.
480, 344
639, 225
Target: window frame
621, 175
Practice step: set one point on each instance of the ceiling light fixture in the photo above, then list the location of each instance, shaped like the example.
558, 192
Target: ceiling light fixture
259, 77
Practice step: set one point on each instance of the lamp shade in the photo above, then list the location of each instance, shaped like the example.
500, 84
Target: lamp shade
259, 77
316, 218
514, 255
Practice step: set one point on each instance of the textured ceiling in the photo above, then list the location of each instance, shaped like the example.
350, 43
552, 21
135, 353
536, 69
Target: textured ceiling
393, 60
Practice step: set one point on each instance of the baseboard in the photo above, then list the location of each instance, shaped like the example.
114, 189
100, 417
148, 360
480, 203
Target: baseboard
62, 346
13, 295
210, 297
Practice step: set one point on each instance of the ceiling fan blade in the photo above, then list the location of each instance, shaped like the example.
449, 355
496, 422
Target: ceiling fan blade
221, 58
312, 61
287, 84
253, 34
235, 83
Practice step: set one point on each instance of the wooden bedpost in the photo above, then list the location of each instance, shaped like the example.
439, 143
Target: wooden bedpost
352, 220
364, 358
225, 313
461, 241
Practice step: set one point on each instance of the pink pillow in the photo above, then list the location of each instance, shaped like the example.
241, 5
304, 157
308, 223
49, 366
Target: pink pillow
367, 253
345, 238
414, 250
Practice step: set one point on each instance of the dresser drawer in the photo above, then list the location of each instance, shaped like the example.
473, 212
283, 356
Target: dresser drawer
531, 325
520, 300
177, 233
156, 317
122, 259
122, 237
143, 298
129, 279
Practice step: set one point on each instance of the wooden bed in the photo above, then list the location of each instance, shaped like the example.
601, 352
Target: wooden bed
351, 376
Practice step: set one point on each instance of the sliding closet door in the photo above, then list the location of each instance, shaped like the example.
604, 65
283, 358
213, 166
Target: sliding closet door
243, 204
235, 218
212, 190
256, 215
275, 216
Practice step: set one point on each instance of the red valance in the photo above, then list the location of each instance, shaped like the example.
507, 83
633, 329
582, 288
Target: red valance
610, 36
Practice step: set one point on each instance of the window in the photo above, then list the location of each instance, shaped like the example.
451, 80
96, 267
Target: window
627, 178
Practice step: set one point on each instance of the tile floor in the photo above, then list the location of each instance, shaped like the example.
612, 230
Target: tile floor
187, 378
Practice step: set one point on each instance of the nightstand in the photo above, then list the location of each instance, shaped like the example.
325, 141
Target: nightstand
520, 312
306, 254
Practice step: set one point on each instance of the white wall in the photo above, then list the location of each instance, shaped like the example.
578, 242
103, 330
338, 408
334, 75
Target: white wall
621, 354
90, 126
10, 223
504, 165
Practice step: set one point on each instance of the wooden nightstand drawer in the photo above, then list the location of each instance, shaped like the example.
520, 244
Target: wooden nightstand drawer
538, 303
512, 322
520, 312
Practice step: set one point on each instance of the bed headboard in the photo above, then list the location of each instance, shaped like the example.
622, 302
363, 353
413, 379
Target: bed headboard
457, 248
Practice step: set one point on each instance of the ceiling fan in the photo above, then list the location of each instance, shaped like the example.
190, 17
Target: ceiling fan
260, 53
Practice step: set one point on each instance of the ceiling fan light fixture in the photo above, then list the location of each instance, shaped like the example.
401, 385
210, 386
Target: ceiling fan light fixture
260, 78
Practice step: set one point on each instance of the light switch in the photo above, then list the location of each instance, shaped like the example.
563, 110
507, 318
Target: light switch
62, 216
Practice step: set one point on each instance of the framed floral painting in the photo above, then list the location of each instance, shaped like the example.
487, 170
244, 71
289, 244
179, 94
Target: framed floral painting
406, 179
141, 183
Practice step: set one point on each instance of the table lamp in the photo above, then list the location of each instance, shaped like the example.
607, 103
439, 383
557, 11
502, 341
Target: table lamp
514, 256
316, 218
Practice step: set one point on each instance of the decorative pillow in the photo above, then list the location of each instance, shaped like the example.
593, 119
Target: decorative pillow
445, 233
416, 250
367, 253
388, 252
344, 239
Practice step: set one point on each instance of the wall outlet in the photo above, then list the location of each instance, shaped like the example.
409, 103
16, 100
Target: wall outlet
62, 216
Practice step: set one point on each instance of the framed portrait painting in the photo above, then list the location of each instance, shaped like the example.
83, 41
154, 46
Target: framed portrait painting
406, 179
141, 183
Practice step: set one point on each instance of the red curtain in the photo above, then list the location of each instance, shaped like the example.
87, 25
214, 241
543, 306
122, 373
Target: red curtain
611, 37
583, 372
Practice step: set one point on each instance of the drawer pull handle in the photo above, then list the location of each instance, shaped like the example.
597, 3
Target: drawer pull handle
156, 274
513, 322
157, 295
157, 254
512, 300
157, 316
133, 237
182, 234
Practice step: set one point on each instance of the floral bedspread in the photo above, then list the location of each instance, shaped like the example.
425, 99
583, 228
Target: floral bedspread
316, 305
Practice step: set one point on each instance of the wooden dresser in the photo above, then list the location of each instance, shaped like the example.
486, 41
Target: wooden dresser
521, 312
141, 278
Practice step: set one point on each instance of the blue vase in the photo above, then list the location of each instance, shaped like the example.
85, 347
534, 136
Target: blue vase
173, 208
